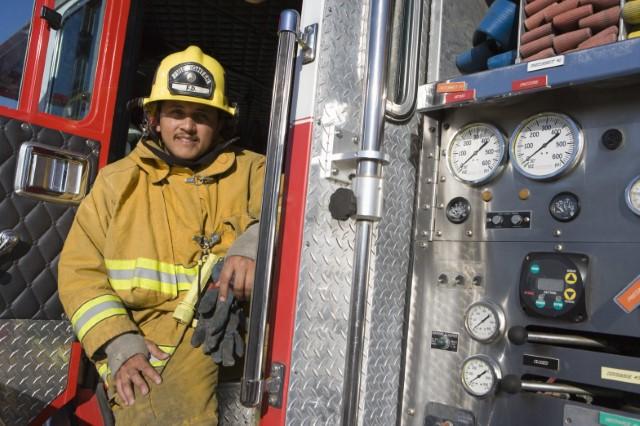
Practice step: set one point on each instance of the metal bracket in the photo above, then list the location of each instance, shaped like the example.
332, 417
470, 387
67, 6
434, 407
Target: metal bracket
339, 157
308, 41
274, 385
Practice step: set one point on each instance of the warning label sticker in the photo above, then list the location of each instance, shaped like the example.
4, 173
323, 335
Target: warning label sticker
629, 298
618, 375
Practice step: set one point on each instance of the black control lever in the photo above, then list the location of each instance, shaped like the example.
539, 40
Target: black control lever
519, 335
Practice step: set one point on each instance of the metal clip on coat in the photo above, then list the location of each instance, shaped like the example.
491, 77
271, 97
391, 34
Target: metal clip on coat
187, 307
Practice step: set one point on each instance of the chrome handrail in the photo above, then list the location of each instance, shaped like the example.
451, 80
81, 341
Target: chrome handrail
252, 385
402, 111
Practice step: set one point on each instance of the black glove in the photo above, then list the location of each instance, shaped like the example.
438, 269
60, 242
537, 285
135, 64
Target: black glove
219, 324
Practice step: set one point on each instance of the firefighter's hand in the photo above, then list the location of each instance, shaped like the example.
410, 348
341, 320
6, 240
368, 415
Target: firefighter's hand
237, 273
134, 371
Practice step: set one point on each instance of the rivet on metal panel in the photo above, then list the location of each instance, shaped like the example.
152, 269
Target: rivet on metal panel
424, 244
429, 181
459, 280
469, 233
557, 233
425, 233
477, 280
411, 412
334, 171
443, 178
446, 126
441, 206
354, 140
558, 247
439, 233
443, 279
426, 206
25, 127
430, 155
338, 133
444, 153
432, 129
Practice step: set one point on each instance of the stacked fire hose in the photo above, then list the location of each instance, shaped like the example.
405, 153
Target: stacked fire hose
549, 28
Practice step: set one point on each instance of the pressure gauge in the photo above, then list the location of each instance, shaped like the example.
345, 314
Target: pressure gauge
564, 207
546, 146
477, 153
484, 321
480, 375
632, 195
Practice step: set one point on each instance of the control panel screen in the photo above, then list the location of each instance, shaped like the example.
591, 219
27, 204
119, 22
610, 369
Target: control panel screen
548, 284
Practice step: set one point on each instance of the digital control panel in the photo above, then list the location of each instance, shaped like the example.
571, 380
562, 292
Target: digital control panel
552, 285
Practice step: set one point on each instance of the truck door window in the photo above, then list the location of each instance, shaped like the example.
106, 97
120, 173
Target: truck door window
15, 25
71, 59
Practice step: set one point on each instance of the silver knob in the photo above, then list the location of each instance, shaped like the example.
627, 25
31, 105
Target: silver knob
8, 240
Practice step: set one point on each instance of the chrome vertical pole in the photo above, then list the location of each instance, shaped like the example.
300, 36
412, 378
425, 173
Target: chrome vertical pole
368, 190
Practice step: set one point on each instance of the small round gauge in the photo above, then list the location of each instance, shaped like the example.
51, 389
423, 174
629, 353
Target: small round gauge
564, 207
458, 210
480, 375
477, 153
546, 146
632, 195
484, 321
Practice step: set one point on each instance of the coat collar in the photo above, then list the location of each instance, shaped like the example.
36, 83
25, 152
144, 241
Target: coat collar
158, 169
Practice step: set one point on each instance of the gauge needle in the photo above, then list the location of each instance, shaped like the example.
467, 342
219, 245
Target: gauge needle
483, 320
542, 147
478, 376
474, 153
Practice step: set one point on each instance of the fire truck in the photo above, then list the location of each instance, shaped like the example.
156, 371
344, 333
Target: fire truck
455, 234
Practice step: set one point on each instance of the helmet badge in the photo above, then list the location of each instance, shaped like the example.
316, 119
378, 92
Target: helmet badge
191, 79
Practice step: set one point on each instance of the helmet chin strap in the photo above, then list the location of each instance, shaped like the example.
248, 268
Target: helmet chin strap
201, 162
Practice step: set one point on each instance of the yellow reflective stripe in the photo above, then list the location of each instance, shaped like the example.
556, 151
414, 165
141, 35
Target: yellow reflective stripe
150, 275
156, 265
107, 313
104, 371
95, 310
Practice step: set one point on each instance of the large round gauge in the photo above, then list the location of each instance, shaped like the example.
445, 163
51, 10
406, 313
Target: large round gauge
632, 195
477, 153
546, 146
480, 375
484, 321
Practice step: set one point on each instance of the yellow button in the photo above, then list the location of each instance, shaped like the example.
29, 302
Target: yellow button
570, 278
570, 294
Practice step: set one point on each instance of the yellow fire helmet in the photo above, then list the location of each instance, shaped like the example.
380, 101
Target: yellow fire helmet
190, 76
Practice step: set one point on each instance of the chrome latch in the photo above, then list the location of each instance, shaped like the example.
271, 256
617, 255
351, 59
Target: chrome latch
274, 385
8, 240
52, 174
308, 41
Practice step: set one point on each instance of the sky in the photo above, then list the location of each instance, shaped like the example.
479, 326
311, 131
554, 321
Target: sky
15, 13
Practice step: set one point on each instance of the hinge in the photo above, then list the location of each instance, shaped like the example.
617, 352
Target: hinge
308, 41
53, 18
274, 385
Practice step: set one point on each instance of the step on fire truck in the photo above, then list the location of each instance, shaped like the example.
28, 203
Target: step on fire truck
460, 221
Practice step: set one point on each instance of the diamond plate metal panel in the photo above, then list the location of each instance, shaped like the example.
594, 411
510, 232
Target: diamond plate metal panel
34, 361
317, 366
230, 411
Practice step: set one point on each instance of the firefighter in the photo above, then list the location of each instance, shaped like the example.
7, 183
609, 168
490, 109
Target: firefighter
138, 240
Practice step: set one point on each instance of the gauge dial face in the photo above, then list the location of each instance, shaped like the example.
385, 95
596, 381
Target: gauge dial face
632, 195
484, 321
458, 210
564, 207
480, 375
476, 154
546, 146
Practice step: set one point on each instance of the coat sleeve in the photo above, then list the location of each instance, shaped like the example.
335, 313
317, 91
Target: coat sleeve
97, 313
256, 187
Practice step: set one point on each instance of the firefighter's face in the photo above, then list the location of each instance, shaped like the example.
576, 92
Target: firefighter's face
187, 129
